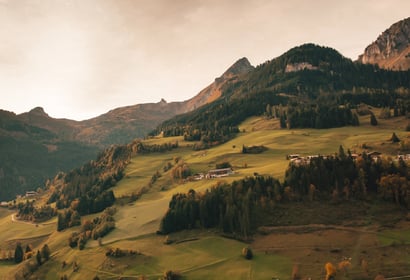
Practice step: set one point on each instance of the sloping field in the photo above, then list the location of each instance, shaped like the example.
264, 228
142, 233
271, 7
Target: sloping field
210, 256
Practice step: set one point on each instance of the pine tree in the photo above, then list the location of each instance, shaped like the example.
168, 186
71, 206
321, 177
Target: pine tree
18, 253
38, 258
45, 252
61, 222
394, 138
373, 120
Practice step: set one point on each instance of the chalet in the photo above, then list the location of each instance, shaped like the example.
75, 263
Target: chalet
31, 193
198, 176
293, 156
217, 173
298, 161
374, 155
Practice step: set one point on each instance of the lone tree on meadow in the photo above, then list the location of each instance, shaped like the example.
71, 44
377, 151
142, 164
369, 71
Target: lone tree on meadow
38, 258
45, 252
18, 253
373, 120
394, 138
247, 253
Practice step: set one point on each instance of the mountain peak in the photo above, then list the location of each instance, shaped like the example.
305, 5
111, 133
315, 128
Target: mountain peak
241, 66
391, 50
39, 111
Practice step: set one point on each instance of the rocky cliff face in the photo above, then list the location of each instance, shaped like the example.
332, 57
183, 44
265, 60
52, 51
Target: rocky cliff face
391, 50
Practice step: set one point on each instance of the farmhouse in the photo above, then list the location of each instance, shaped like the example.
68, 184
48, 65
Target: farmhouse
296, 159
198, 176
31, 193
376, 156
217, 173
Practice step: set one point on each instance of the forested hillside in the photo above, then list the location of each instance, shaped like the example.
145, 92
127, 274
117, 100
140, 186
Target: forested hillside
308, 86
29, 155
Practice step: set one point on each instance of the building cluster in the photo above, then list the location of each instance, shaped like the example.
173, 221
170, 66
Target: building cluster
214, 173
296, 159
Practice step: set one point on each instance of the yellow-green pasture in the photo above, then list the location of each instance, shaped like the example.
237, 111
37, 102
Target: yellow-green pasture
209, 257
143, 216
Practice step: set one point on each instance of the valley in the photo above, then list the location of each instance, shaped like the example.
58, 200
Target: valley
206, 253
294, 169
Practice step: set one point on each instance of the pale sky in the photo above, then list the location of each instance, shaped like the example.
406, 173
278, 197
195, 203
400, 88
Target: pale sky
81, 58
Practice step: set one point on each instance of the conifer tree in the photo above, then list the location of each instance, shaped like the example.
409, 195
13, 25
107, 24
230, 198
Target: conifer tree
38, 258
18, 253
373, 120
45, 252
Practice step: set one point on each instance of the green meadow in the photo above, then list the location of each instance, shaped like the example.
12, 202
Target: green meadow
210, 256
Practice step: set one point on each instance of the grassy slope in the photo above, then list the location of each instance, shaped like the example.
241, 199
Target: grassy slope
210, 257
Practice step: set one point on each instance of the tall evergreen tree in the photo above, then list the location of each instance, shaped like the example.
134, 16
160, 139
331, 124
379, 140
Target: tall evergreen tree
373, 120
38, 258
18, 253
45, 252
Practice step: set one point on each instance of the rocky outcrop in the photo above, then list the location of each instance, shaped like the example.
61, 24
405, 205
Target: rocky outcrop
294, 67
391, 50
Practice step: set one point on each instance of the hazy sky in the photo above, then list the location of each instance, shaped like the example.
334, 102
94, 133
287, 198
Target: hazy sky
80, 58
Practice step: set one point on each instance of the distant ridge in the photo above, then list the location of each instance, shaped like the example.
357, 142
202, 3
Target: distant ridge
391, 50
36, 146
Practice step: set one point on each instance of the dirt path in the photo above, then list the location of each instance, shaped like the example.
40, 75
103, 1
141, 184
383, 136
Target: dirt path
15, 220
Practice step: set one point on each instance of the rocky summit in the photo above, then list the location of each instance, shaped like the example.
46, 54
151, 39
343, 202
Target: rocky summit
391, 50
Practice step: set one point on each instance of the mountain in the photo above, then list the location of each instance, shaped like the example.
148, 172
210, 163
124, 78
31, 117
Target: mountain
35, 146
29, 154
317, 85
391, 50
122, 125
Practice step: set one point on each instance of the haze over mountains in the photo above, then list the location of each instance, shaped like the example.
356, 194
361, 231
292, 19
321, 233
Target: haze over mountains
36, 146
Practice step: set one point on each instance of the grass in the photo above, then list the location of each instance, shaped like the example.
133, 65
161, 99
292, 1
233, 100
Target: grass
21, 231
210, 257
395, 237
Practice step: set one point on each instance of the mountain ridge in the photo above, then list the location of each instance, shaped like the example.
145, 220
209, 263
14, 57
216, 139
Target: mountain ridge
300, 74
50, 145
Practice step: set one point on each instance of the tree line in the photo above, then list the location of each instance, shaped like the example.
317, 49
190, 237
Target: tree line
300, 115
28, 212
93, 229
340, 177
216, 123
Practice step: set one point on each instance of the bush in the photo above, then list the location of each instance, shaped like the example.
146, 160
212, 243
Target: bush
171, 275
373, 120
253, 149
247, 253
222, 165
394, 138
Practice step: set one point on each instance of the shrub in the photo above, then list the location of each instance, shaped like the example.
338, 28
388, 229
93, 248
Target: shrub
171, 275
222, 165
247, 253
394, 138
253, 149
373, 120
